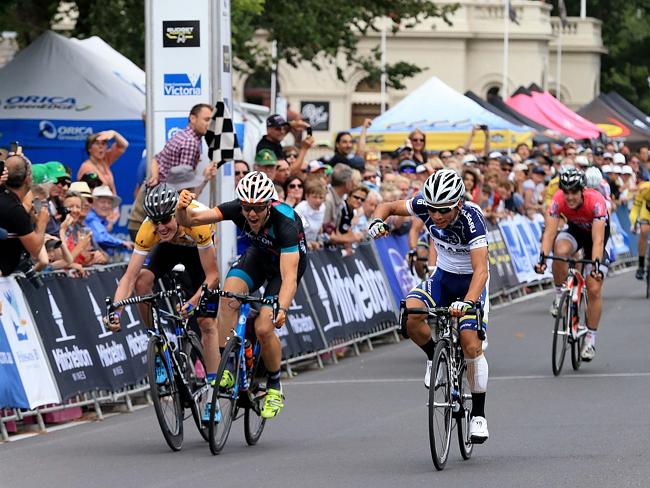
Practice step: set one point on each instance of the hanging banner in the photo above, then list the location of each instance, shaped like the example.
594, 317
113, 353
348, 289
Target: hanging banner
84, 356
25, 377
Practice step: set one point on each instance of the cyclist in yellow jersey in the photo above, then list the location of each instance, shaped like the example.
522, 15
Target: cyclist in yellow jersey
166, 243
640, 221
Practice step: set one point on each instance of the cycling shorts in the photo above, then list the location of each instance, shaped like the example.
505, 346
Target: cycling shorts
581, 239
443, 288
257, 269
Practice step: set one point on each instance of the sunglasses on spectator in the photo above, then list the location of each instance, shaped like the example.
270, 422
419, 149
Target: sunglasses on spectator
241, 173
445, 156
417, 140
291, 155
63, 181
441, 210
295, 185
357, 197
249, 208
163, 221
407, 170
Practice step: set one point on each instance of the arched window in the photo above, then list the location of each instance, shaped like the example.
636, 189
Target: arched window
364, 106
257, 88
493, 91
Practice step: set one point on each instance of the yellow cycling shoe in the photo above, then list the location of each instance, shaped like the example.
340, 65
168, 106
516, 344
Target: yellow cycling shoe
272, 403
227, 380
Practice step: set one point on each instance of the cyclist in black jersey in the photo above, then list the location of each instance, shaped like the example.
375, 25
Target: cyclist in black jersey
276, 258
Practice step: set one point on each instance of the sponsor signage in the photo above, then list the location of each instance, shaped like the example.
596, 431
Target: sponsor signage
43, 102
317, 114
181, 33
63, 131
181, 84
174, 125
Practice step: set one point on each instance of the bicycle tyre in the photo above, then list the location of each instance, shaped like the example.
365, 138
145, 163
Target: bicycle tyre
463, 415
576, 346
561, 333
193, 351
440, 411
225, 400
647, 280
253, 422
166, 397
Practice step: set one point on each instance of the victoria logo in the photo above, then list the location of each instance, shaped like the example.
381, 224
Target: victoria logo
181, 84
181, 33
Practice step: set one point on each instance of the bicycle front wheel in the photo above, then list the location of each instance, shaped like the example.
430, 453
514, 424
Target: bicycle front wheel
576, 344
440, 408
194, 371
253, 422
647, 280
561, 332
463, 414
164, 394
224, 400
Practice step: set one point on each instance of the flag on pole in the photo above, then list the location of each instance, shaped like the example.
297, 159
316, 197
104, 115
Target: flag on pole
562, 8
512, 13
221, 136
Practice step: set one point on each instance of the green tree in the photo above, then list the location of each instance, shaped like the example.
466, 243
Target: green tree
316, 31
626, 35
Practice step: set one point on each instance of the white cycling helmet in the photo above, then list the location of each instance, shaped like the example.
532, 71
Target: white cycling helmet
256, 187
444, 187
593, 177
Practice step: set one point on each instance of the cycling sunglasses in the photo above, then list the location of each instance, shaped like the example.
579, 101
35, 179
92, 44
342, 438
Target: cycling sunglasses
162, 221
249, 208
441, 210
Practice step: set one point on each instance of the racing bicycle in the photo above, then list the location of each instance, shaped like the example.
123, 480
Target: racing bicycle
450, 398
242, 358
571, 319
175, 365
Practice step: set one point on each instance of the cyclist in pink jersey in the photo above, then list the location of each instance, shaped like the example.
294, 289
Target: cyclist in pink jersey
587, 228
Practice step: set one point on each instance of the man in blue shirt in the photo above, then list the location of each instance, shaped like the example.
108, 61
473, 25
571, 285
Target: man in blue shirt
103, 204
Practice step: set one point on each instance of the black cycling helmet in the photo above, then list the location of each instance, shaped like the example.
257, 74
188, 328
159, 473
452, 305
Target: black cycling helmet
160, 201
572, 179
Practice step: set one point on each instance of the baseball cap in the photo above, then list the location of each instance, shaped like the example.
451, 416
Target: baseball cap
182, 177
617, 169
266, 157
40, 174
56, 170
539, 170
315, 165
606, 168
569, 140
495, 155
276, 120
608, 155
582, 161
51, 244
619, 158
627, 170
469, 159
407, 166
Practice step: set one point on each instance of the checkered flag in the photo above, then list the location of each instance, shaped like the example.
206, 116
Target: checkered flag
221, 136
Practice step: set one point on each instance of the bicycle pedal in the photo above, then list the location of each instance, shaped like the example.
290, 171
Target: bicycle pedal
477, 440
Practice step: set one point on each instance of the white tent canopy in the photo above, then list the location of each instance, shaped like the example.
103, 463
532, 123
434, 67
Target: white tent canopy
62, 79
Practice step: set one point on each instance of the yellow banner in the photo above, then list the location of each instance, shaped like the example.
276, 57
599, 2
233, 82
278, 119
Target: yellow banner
438, 141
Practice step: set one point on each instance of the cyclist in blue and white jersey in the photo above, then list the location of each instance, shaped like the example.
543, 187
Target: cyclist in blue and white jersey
458, 230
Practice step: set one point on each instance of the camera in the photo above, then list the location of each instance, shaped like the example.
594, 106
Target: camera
27, 268
63, 213
309, 131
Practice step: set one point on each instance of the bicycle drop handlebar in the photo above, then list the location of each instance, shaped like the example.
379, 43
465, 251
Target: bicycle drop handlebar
571, 261
445, 311
207, 293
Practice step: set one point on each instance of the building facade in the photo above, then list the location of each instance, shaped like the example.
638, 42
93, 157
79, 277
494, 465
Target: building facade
467, 55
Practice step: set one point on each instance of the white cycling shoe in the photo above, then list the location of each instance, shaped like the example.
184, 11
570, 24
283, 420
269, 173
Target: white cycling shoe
478, 430
427, 374
588, 351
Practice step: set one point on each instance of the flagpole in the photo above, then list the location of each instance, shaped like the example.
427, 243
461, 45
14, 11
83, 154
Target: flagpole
383, 69
506, 35
558, 68
274, 70
583, 9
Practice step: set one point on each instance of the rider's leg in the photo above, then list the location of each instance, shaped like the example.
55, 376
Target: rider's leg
210, 343
643, 244
418, 329
594, 297
565, 246
271, 348
144, 285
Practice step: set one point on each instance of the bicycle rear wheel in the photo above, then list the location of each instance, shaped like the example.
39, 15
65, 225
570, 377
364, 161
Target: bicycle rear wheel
253, 422
440, 405
462, 416
561, 332
224, 400
195, 371
165, 395
576, 345
647, 279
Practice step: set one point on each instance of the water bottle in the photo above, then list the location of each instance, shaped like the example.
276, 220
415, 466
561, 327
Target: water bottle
248, 353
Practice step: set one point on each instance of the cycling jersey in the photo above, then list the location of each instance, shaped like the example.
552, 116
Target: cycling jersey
282, 232
641, 210
198, 236
453, 243
593, 208
551, 190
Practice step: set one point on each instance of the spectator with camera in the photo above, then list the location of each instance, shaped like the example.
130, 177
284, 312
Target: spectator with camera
77, 237
22, 236
59, 179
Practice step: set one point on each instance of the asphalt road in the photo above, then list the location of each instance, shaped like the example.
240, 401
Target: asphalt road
363, 422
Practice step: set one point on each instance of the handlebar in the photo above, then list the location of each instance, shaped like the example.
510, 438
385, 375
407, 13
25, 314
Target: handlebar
445, 311
571, 261
207, 293
414, 258
149, 298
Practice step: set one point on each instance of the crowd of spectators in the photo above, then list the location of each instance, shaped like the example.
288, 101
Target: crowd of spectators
55, 222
